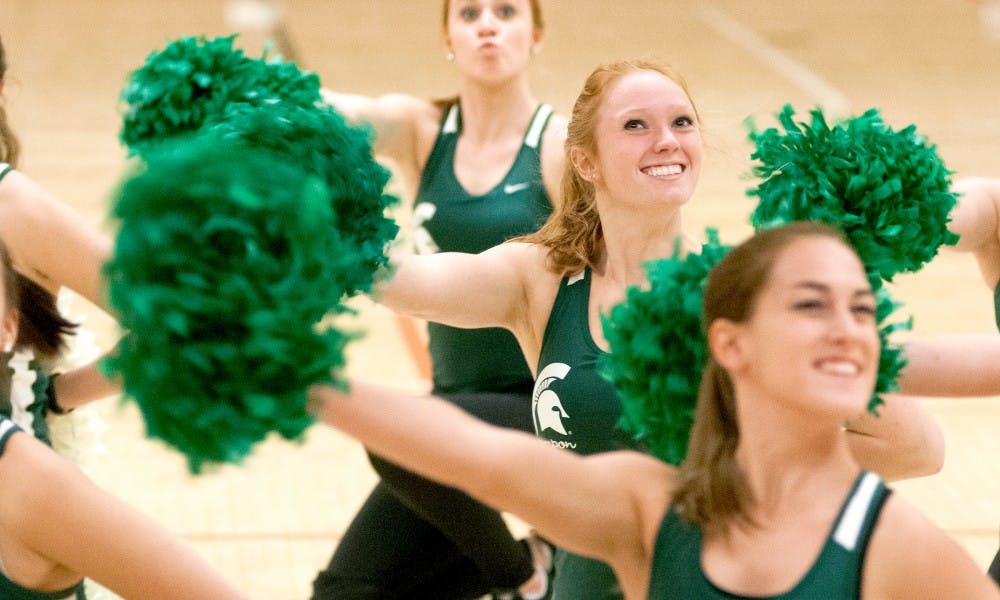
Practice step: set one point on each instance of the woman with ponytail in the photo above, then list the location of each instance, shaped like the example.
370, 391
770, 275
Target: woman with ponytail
770, 501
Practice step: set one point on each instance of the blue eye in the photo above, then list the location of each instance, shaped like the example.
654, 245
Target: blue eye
469, 13
633, 124
683, 122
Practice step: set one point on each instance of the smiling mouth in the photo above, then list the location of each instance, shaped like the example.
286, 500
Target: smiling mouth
663, 170
839, 367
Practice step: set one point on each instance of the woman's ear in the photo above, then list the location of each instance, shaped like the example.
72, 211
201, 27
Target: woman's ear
583, 164
9, 329
536, 41
724, 342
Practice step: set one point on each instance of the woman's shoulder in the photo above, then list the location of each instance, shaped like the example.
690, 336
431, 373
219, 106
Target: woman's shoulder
909, 554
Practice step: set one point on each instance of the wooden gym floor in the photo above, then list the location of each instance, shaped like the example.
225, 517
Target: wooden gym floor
271, 523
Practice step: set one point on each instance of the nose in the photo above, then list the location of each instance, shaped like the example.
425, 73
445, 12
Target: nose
845, 326
487, 24
666, 140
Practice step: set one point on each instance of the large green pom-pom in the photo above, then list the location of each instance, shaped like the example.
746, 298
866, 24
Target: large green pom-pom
658, 350
320, 140
888, 190
226, 267
192, 81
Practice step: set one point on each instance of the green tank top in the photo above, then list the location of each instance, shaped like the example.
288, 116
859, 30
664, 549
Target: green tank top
576, 409
836, 574
8, 589
446, 218
572, 405
996, 304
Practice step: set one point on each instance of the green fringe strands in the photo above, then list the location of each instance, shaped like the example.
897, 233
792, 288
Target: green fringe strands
888, 190
658, 350
191, 82
891, 360
226, 268
321, 141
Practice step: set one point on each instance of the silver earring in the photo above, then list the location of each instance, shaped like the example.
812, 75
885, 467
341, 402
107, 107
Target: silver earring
450, 56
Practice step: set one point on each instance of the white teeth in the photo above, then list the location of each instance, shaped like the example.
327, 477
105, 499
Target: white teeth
664, 170
839, 368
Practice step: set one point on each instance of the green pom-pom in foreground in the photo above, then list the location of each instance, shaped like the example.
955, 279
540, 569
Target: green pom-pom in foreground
192, 81
321, 141
226, 270
658, 350
888, 190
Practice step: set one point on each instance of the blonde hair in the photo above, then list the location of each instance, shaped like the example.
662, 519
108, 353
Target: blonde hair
573, 233
712, 490
10, 148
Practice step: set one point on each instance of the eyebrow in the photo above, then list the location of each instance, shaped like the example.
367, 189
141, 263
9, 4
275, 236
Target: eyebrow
822, 287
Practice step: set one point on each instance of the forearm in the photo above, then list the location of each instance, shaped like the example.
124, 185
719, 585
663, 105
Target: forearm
507, 469
83, 385
952, 366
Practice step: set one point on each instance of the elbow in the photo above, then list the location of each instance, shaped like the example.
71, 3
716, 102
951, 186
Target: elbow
921, 453
927, 453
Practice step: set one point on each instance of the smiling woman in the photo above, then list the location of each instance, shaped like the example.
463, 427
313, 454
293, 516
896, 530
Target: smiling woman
770, 503
634, 154
488, 163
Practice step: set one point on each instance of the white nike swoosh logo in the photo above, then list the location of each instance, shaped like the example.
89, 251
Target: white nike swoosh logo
511, 188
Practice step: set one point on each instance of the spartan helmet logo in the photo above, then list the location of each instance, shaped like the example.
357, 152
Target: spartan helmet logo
546, 407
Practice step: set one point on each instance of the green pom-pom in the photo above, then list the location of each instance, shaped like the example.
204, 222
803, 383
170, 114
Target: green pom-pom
658, 350
320, 140
225, 273
888, 190
192, 81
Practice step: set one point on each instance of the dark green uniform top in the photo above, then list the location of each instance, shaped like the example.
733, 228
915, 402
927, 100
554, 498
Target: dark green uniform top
576, 409
31, 417
996, 304
835, 575
446, 218
8, 589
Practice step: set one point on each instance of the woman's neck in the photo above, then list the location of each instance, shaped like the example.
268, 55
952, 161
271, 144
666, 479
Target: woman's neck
493, 112
783, 470
632, 237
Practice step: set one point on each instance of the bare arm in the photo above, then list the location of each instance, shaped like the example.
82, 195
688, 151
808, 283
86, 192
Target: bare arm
904, 441
602, 507
55, 512
490, 289
975, 220
49, 242
956, 365
83, 385
405, 126
909, 557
